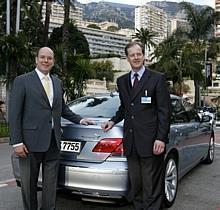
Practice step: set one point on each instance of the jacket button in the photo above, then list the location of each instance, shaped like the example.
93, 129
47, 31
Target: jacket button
130, 130
132, 104
132, 117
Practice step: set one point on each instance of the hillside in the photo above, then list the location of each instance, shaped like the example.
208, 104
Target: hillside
123, 14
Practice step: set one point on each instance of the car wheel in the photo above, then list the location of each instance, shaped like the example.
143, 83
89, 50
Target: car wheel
170, 180
211, 151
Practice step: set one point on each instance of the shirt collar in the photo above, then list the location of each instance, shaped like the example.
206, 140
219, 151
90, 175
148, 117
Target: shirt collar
140, 72
41, 75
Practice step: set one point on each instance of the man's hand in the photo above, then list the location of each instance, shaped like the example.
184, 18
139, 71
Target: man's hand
86, 121
21, 151
159, 147
107, 125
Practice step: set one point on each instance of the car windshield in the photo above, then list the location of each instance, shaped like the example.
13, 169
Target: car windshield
96, 106
106, 106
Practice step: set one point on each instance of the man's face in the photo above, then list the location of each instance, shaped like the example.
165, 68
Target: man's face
45, 60
135, 57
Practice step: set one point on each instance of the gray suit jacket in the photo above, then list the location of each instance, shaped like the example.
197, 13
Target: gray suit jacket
30, 113
144, 121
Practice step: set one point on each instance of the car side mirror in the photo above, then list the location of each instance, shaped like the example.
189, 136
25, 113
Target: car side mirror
206, 118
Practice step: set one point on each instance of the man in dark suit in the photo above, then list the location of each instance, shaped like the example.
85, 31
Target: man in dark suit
145, 108
35, 111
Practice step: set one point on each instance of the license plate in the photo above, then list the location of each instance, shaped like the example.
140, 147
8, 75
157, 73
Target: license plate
70, 146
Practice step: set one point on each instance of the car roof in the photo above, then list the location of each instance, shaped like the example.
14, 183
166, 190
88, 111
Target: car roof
172, 96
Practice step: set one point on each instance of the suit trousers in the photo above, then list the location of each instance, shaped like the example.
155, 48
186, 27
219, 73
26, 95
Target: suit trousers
146, 181
29, 172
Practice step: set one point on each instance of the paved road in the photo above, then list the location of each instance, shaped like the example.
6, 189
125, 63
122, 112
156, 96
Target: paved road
217, 136
198, 190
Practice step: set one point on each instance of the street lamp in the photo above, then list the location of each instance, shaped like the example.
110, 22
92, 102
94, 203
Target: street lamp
7, 64
18, 15
8, 33
8, 17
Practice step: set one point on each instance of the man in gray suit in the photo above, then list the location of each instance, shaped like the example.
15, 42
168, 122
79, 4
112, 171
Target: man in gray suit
35, 111
145, 108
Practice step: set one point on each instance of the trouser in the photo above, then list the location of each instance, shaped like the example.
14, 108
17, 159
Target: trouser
29, 172
146, 182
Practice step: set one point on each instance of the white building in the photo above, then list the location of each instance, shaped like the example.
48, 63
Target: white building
175, 23
57, 15
100, 41
105, 42
152, 18
217, 24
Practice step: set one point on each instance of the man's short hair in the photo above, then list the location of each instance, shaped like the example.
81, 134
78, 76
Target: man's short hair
133, 43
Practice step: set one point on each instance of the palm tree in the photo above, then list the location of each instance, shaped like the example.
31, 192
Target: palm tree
47, 20
65, 33
179, 58
18, 53
168, 55
146, 37
31, 22
213, 48
201, 22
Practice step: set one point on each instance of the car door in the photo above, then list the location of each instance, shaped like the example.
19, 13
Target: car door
178, 131
194, 138
204, 130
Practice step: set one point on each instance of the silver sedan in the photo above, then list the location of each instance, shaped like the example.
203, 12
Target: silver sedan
93, 164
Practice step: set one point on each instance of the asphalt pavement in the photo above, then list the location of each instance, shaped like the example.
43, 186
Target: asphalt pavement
198, 190
217, 136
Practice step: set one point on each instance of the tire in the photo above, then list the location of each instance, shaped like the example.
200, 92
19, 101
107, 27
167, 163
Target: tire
170, 180
211, 151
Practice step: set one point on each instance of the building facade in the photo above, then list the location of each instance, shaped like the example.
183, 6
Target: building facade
217, 23
100, 41
105, 42
57, 15
216, 68
175, 23
152, 18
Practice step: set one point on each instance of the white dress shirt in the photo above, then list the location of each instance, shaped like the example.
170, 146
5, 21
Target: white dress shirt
42, 79
140, 74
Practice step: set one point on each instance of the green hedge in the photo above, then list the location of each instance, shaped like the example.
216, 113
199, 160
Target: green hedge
4, 130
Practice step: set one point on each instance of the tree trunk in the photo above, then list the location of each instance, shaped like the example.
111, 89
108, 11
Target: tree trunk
197, 95
65, 35
47, 21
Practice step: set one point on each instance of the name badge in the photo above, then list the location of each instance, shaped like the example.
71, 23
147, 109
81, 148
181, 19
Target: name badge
146, 100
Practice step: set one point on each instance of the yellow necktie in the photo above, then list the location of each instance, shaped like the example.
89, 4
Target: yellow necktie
47, 86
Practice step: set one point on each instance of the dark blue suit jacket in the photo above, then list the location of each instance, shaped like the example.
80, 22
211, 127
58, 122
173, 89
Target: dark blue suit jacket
145, 119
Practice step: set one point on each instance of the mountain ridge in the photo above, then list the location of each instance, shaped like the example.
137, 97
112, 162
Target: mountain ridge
124, 14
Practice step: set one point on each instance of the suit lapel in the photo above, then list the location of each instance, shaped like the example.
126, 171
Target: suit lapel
126, 85
55, 89
37, 83
142, 82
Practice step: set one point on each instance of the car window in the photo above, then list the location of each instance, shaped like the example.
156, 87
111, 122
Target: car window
97, 106
193, 116
179, 114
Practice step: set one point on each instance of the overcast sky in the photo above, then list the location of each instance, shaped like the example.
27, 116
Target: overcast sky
141, 2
